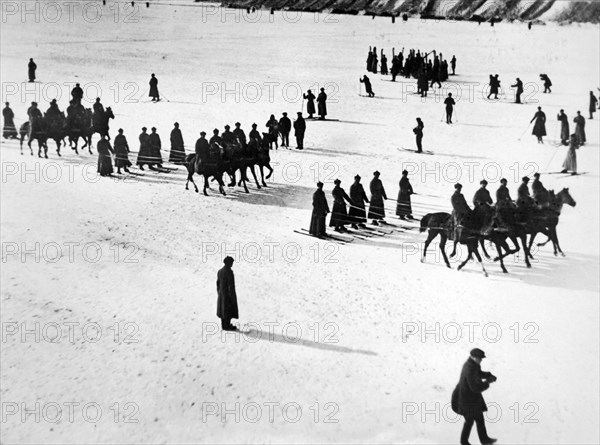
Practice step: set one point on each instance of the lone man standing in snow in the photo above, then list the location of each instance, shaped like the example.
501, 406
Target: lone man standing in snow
299, 129
519, 87
227, 307
322, 104
31, 67
449, 108
467, 399
418, 131
154, 88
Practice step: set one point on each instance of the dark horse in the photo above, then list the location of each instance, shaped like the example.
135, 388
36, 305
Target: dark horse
99, 125
259, 150
238, 157
213, 166
470, 235
546, 220
36, 129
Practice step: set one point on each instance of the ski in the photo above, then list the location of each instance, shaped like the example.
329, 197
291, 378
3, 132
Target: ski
424, 152
333, 237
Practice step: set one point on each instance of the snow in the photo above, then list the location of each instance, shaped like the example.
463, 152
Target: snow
364, 295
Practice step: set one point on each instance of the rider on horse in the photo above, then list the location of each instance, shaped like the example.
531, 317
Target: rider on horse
461, 212
540, 194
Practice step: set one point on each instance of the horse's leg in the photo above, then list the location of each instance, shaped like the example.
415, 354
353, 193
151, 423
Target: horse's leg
45, 145
555, 241
57, 146
469, 257
443, 240
205, 184
430, 236
262, 175
90, 143
481, 242
232, 176
500, 256
476, 252
270, 170
251, 166
453, 253
221, 184
531, 238
22, 138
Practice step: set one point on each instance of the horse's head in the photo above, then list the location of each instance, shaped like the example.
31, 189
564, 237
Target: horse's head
564, 197
109, 113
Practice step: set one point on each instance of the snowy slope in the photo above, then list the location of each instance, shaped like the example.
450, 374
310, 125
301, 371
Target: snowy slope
352, 305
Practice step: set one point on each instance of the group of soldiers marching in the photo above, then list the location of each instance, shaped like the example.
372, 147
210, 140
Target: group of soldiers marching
357, 216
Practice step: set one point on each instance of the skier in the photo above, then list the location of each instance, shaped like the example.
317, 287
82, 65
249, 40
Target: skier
273, 126
9, 131
564, 127
177, 154
580, 128
395, 68
593, 103
368, 87
357, 213
467, 399
310, 103
121, 152
377, 209
319, 213
145, 153
519, 86
31, 67
155, 147
404, 207
77, 93
299, 129
339, 214
374, 61
547, 83
418, 131
322, 104
370, 59
285, 126
227, 307
449, 108
105, 167
453, 65
570, 162
154, 88
539, 128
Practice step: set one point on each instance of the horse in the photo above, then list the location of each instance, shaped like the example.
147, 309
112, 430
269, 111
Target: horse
56, 128
508, 224
80, 125
99, 125
441, 223
237, 157
213, 166
259, 150
546, 220
35, 128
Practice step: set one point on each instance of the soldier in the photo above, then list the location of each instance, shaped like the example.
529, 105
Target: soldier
285, 126
564, 127
322, 104
482, 196
460, 209
105, 167
155, 144
467, 399
154, 88
299, 129
254, 134
384, 67
227, 307
524, 198
239, 134
418, 131
357, 213
378, 195
593, 103
216, 138
539, 128
319, 213
519, 86
404, 207
121, 153
77, 93
31, 67
202, 148
540, 194
453, 65
580, 128
145, 153
227, 136
503, 194
53, 110
449, 108
34, 112
368, 87
310, 103
177, 154
494, 86
273, 126
9, 131
339, 214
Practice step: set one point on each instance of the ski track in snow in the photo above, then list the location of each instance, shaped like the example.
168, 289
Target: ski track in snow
358, 294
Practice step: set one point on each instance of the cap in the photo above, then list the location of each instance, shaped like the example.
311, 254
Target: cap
483, 182
337, 181
405, 172
176, 124
525, 178
203, 133
228, 260
153, 128
319, 184
376, 173
357, 177
253, 125
477, 353
144, 128
536, 175
237, 124
299, 113
503, 181
284, 113
458, 185
120, 130
227, 127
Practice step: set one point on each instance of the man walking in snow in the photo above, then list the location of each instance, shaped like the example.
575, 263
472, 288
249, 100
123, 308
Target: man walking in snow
467, 399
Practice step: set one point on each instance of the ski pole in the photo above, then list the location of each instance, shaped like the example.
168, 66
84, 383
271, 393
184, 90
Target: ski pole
523, 134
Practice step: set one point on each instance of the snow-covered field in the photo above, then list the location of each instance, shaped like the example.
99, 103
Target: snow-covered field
140, 356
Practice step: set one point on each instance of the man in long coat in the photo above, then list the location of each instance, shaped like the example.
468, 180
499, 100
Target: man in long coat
519, 86
539, 128
177, 154
77, 93
467, 399
404, 207
339, 214
357, 213
154, 88
31, 67
319, 213
310, 103
9, 130
299, 129
461, 212
121, 152
155, 146
285, 126
322, 104
368, 87
580, 128
593, 104
564, 127
145, 153
482, 195
105, 167
376, 208
227, 307
202, 149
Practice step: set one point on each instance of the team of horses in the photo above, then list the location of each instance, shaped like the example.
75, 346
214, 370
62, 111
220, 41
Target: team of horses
229, 158
497, 225
56, 126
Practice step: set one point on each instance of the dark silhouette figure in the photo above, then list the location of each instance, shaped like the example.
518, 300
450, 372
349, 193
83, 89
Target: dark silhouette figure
31, 67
